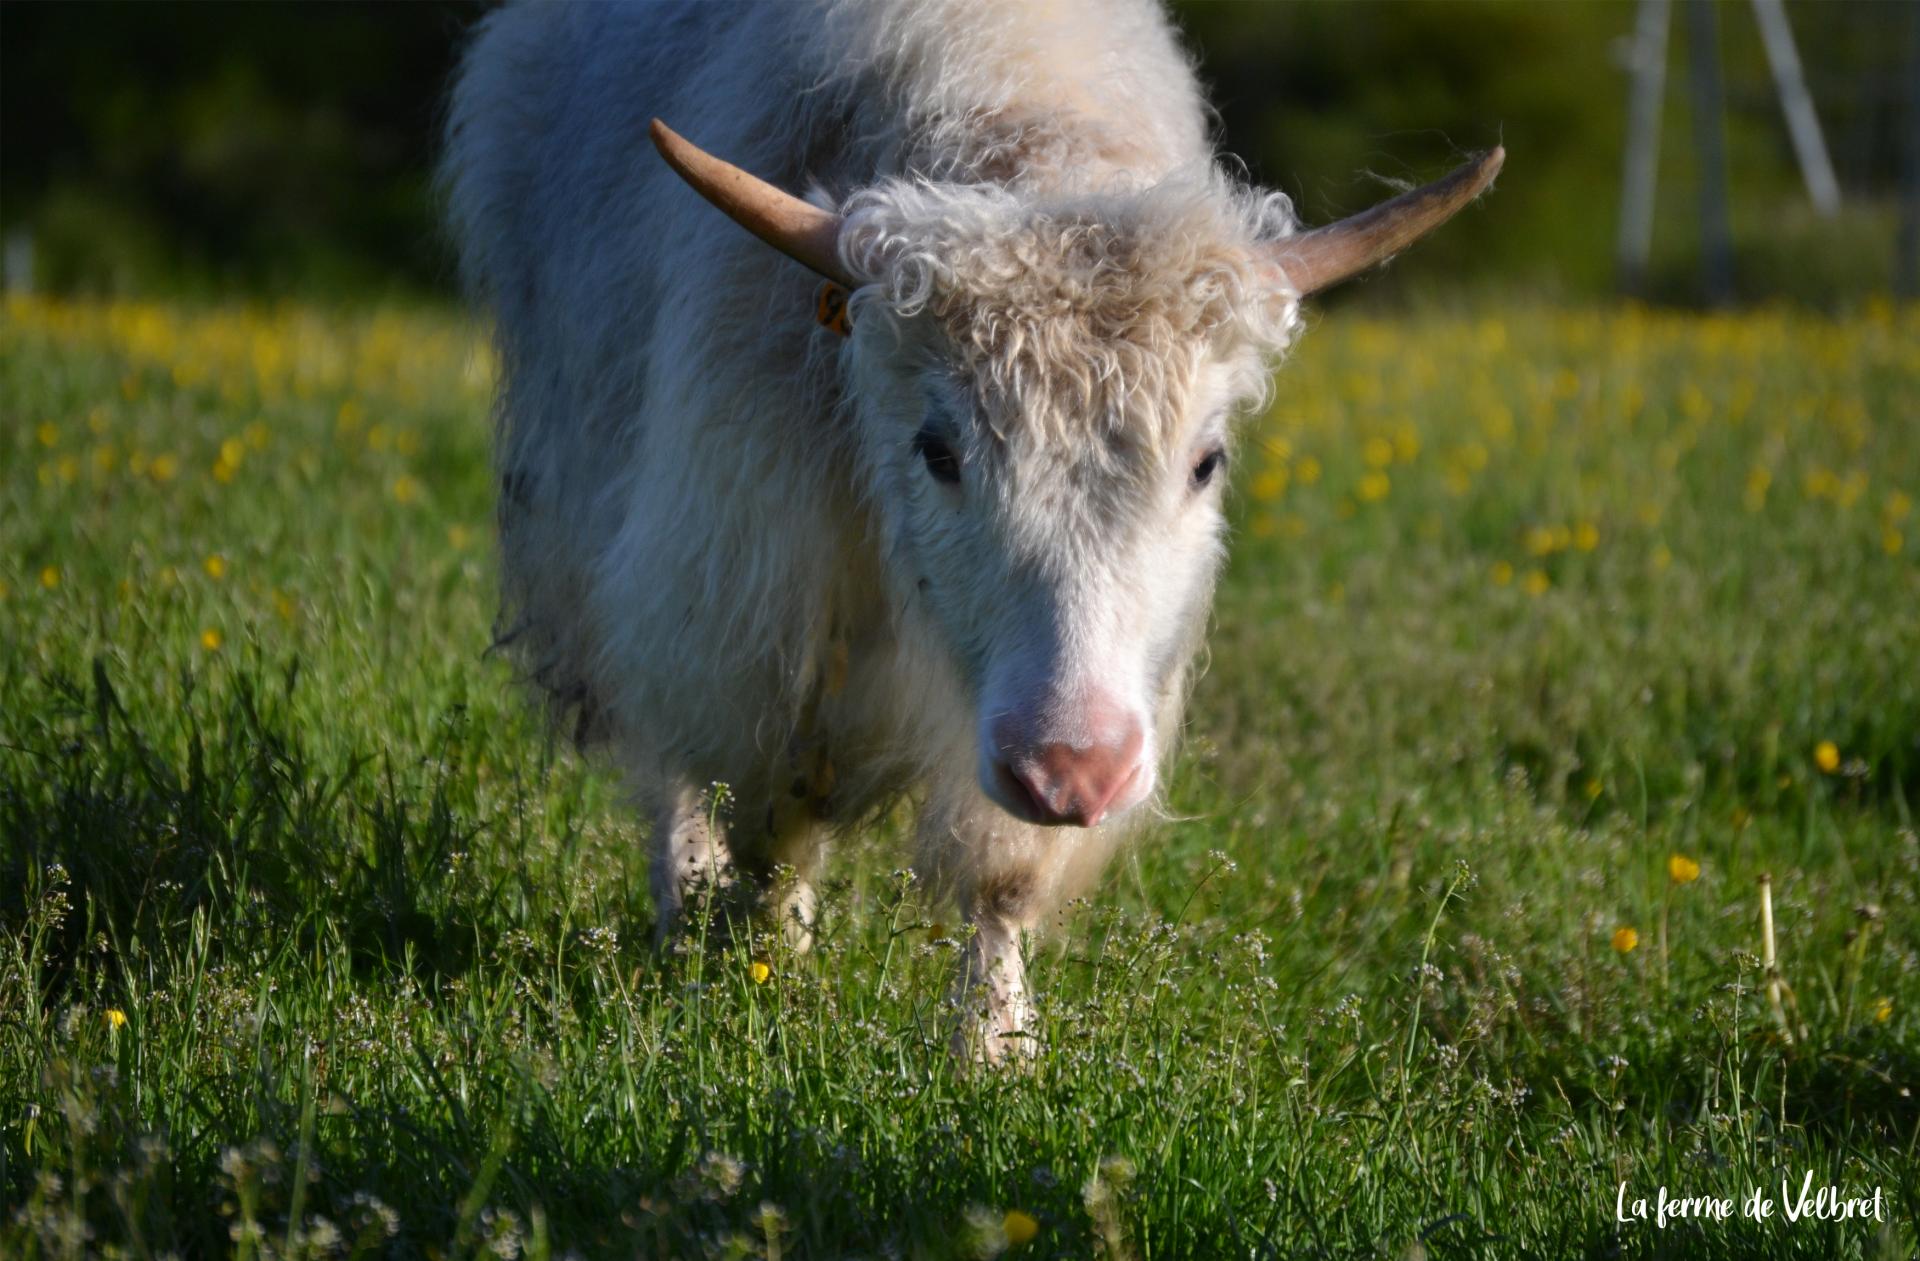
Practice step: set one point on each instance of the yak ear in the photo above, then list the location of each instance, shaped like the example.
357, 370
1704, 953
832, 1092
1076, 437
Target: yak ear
799, 229
1316, 260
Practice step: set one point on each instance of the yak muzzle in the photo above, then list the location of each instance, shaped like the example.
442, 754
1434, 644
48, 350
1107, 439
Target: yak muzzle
1073, 774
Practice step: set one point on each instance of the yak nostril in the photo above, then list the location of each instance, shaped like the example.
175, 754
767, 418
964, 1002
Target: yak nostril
1019, 790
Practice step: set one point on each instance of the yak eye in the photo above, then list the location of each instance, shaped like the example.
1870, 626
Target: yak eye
1209, 464
942, 463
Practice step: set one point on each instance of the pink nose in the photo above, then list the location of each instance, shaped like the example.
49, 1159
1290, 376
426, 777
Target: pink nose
1069, 783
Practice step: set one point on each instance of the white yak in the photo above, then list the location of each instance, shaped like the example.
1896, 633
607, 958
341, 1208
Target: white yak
952, 543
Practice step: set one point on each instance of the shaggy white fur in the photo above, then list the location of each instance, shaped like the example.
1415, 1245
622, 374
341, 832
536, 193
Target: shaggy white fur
722, 546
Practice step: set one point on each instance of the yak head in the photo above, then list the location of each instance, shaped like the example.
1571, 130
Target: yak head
1041, 390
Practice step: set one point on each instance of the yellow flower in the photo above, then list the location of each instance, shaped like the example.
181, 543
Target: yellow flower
216, 566
1890, 541
1625, 939
1882, 1010
1681, 869
1377, 453
164, 467
1270, 485
1020, 1227
406, 488
116, 1019
459, 536
48, 434
50, 577
1586, 536
1826, 756
1307, 470
210, 639
1502, 573
1375, 487
759, 971
1536, 582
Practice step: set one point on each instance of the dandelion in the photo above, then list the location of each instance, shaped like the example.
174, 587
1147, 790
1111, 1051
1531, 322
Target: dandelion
1020, 1227
1826, 756
48, 434
1374, 487
1891, 541
1270, 485
759, 971
211, 639
1681, 869
1502, 573
1536, 582
216, 566
1307, 470
1625, 939
1882, 1010
163, 467
1586, 536
50, 577
1662, 557
116, 1019
405, 488
1377, 453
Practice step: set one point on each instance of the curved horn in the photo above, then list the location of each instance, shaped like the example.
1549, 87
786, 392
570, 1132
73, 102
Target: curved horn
1326, 256
800, 230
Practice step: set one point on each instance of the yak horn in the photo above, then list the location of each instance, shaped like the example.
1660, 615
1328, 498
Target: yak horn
800, 230
1315, 260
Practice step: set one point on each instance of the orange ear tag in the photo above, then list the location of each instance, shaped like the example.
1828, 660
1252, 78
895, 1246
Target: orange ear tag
830, 309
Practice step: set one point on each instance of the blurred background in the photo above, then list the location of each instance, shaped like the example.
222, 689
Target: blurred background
268, 149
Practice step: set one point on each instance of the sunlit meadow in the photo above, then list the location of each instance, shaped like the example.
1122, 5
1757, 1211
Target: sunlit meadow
1546, 635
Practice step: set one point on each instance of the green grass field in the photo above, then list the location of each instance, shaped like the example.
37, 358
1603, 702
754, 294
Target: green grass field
1546, 635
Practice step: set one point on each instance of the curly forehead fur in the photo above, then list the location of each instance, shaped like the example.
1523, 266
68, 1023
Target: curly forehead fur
1090, 309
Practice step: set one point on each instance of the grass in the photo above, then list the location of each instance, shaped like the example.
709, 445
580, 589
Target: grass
1541, 626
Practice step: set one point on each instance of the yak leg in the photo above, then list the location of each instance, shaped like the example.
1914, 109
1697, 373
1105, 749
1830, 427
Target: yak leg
996, 1010
798, 851
690, 855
